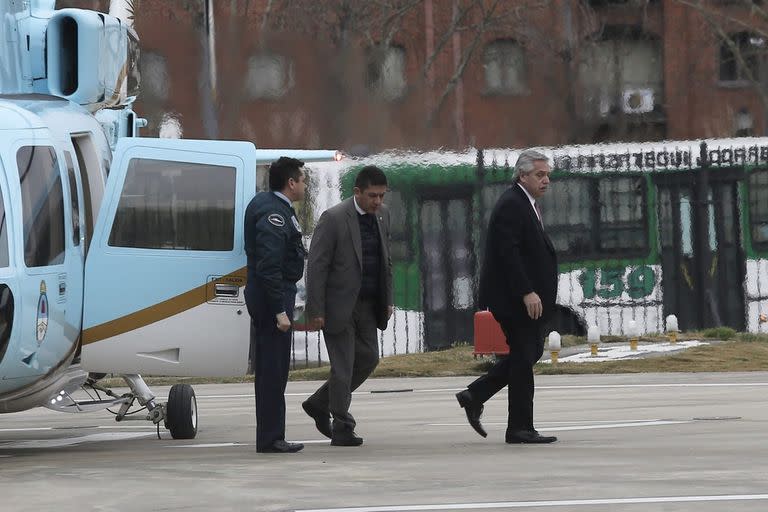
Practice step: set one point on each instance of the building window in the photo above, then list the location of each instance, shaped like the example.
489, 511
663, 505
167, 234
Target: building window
176, 205
622, 74
385, 72
155, 81
269, 76
42, 205
741, 57
504, 68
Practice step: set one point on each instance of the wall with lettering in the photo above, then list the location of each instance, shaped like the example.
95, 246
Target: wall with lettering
612, 296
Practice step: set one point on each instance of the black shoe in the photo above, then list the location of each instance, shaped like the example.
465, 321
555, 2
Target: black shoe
322, 419
345, 438
528, 437
281, 446
473, 410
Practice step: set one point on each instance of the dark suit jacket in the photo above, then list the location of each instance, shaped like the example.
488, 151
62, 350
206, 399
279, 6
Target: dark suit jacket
335, 267
519, 258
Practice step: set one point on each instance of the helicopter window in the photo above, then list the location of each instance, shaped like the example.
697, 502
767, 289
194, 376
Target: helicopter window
42, 205
4, 259
75, 200
133, 72
6, 318
176, 205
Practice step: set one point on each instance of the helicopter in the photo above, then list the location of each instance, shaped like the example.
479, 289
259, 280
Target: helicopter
119, 254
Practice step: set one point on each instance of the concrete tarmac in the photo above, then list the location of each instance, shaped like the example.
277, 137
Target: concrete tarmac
627, 443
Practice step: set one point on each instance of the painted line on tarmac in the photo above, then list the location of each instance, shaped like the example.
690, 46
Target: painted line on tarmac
205, 445
580, 427
575, 386
627, 386
615, 425
572, 422
76, 427
72, 441
604, 386
668, 385
153, 427
250, 395
226, 445
29, 429
548, 503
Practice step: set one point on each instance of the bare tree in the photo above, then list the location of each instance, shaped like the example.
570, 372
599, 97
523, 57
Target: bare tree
741, 27
376, 24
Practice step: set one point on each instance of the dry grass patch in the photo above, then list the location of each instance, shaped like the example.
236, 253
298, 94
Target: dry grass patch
444, 363
731, 356
746, 352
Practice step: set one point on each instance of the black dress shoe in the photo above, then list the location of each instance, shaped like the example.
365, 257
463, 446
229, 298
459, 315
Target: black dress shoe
322, 419
528, 437
281, 446
345, 438
473, 411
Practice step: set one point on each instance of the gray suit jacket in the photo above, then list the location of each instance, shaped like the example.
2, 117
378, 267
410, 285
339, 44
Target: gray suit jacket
335, 267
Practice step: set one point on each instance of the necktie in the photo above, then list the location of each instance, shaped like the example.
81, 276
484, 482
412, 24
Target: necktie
538, 212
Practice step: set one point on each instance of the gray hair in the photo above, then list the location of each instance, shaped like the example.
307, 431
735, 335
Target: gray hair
525, 161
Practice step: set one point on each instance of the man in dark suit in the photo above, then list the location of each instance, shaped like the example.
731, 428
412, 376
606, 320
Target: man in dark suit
518, 284
275, 262
349, 295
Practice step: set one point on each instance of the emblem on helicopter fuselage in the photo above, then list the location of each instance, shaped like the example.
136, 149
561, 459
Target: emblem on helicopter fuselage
42, 313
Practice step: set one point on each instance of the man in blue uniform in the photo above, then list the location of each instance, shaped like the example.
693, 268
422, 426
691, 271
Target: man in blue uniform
275, 263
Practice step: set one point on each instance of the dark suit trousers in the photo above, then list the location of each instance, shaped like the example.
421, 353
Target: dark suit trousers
271, 357
526, 345
354, 354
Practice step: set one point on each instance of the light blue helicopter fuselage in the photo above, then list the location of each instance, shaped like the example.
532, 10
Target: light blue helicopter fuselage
47, 299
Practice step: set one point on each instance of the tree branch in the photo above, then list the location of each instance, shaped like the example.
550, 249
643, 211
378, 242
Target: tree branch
709, 17
446, 37
451, 85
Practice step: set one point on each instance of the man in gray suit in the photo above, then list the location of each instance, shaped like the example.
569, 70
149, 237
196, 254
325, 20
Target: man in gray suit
349, 295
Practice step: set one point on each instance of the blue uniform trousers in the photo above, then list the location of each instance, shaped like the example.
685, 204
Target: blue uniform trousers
271, 354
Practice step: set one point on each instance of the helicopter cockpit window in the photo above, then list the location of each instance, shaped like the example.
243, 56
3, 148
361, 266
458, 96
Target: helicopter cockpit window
42, 206
4, 258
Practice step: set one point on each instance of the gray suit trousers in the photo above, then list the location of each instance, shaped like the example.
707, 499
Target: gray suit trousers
354, 354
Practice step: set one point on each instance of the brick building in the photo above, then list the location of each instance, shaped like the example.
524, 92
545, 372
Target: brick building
450, 73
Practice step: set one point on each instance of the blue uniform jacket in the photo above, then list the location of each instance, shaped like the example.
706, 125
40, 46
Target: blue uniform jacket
275, 252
